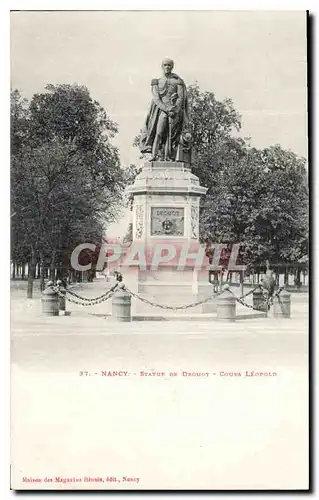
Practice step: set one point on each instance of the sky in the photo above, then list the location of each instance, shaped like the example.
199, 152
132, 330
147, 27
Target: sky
257, 58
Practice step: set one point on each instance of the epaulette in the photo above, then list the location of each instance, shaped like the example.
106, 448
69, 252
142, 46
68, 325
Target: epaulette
154, 81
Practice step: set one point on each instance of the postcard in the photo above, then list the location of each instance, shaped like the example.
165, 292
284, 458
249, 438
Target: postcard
159, 250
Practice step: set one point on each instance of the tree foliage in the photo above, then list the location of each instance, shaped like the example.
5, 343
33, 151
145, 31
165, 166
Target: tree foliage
262, 203
258, 198
66, 179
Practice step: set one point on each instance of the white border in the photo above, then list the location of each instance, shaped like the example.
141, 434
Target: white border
162, 5
5, 251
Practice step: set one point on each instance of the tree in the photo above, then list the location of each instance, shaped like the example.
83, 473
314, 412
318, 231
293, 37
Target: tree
281, 217
128, 238
130, 173
212, 123
68, 113
260, 203
19, 125
72, 180
258, 198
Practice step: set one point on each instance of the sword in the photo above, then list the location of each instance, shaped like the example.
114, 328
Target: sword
168, 149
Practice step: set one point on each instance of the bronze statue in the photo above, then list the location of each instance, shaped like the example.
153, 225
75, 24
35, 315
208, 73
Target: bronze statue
167, 119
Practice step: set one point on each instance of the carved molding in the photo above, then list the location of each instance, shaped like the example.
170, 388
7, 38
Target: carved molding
194, 221
139, 221
167, 198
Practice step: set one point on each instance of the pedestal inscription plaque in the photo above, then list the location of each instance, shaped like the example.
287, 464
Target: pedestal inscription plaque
167, 221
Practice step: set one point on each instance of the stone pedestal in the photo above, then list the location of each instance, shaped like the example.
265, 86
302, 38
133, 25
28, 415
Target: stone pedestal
166, 199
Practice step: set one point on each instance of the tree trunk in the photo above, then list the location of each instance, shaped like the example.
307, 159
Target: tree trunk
23, 271
39, 270
31, 274
13, 270
42, 272
52, 265
69, 277
64, 272
286, 279
298, 282
291, 276
241, 276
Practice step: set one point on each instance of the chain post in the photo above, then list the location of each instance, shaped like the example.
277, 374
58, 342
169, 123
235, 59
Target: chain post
260, 303
282, 304
50, 300
121, 304
226, 305
62, 294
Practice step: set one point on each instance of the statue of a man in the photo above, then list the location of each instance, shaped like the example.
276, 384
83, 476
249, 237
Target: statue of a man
167, 116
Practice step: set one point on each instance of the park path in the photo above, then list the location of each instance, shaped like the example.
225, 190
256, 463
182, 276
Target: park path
214, 431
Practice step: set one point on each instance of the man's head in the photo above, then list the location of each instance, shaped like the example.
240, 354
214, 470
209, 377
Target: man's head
167, 65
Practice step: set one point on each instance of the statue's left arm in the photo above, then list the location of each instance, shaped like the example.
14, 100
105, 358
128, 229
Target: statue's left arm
180, 95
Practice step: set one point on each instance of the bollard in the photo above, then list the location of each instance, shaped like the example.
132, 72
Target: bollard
50, 301
121, 304
282, 305
62, 300
259, 301
226, 307
206, 291
210, 306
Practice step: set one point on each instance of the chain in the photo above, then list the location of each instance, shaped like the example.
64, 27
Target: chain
250, 292
89, 302
268, 301
172, 308
264, 306
95, 298
199, 302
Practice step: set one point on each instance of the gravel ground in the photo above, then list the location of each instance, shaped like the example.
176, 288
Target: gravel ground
207, 430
